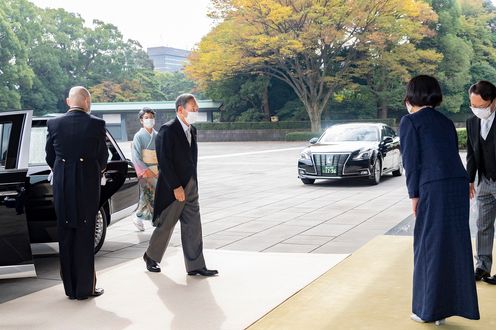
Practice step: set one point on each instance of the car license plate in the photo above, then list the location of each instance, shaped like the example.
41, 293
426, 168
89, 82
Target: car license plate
329, 170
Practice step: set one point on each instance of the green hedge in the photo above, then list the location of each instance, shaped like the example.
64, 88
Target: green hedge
301, 136
462, 138
296, 125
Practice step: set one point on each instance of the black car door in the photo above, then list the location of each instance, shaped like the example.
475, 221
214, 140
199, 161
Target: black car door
121, 180
16, 259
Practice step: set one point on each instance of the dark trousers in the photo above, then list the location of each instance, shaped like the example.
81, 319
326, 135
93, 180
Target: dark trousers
188, 213
77, 260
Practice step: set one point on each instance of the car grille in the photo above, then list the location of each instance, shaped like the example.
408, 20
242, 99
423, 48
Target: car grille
330, 160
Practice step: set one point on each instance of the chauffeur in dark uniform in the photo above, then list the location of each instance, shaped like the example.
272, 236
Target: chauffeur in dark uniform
76, 152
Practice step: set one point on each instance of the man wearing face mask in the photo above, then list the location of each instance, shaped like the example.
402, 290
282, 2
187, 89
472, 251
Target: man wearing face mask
176, 196
481, 160
145, 162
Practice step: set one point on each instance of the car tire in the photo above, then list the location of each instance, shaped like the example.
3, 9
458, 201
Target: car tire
308, 181
399, 171
100, 228
375, 178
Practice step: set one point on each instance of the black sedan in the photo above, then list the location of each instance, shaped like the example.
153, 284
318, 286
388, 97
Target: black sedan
352, 150
27, 214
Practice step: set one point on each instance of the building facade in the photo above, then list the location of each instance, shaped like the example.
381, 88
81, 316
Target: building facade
168, 59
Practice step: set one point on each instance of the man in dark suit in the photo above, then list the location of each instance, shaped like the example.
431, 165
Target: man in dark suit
77, 153
176, 194
481, 160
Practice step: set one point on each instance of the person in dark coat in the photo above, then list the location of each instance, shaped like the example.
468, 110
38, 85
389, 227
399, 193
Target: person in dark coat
176, 194
438, 186
77, 153
481, 161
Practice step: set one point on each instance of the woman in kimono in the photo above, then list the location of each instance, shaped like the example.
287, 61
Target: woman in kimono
145, 162
438, 186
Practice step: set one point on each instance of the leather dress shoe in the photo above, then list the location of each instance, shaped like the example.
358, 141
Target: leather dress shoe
203, 272
96, 293
481, 274
490, 280
151, 264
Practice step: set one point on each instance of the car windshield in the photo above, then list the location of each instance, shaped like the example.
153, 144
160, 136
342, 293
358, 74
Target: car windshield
345, 133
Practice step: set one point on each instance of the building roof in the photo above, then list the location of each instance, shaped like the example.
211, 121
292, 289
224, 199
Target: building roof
154, 51
204, 105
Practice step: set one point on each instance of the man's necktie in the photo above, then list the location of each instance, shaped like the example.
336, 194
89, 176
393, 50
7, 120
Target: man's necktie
485, 127
188, 135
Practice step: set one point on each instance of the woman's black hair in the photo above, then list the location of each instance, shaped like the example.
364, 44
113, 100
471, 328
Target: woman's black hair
424, 91
146, 110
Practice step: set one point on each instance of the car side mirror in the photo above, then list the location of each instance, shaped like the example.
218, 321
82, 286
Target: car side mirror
387, 140
313, 140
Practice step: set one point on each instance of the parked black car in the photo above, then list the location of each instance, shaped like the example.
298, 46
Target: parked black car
352, 150
27, 214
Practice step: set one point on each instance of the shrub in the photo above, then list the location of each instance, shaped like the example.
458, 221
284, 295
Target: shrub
462, 138
301, 136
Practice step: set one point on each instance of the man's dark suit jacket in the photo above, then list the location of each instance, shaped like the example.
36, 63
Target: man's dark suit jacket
177, 162
76, 150
474, 148
429, 146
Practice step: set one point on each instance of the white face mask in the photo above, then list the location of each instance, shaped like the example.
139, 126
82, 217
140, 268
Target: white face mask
482, 113
192, 117
149, 123
409, 107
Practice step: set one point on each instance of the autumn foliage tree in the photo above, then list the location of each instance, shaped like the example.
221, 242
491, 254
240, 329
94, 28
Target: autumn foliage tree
312, 45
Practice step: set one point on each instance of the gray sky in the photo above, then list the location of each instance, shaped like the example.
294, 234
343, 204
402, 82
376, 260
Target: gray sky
174, 23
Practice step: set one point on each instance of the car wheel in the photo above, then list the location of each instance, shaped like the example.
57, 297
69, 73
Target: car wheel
308, 181
399, 171
100, 228
376, 172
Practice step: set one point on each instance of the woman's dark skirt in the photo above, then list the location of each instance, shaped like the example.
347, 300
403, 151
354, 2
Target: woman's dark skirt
443, 276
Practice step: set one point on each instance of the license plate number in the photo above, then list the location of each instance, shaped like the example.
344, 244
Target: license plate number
329, 170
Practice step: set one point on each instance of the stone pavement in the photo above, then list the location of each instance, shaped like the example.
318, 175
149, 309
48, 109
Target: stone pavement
252, 200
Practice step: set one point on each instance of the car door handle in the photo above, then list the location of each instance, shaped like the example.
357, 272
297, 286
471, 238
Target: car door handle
8, 193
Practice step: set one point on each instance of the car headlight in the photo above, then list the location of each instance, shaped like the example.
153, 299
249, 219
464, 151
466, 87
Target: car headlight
306, 154
364, 154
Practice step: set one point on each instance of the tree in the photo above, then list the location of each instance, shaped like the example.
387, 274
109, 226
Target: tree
309, 44
15, 72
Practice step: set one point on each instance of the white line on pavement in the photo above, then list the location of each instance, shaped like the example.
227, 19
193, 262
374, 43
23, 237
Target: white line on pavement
249, 153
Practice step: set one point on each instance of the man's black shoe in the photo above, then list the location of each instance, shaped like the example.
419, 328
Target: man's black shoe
481, 274
151, 264
203, 272
490, 280
98, 292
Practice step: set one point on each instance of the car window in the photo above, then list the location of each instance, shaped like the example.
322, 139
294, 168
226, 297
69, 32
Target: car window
390, 132
37, 146
5, 129
37, 152
345, 133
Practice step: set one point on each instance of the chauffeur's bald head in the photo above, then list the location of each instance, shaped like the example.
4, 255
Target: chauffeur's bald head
79, 97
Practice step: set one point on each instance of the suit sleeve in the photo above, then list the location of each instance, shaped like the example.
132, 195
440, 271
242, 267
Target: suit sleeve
411, 155
49, 149
102, 145
471, 166
165, 150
